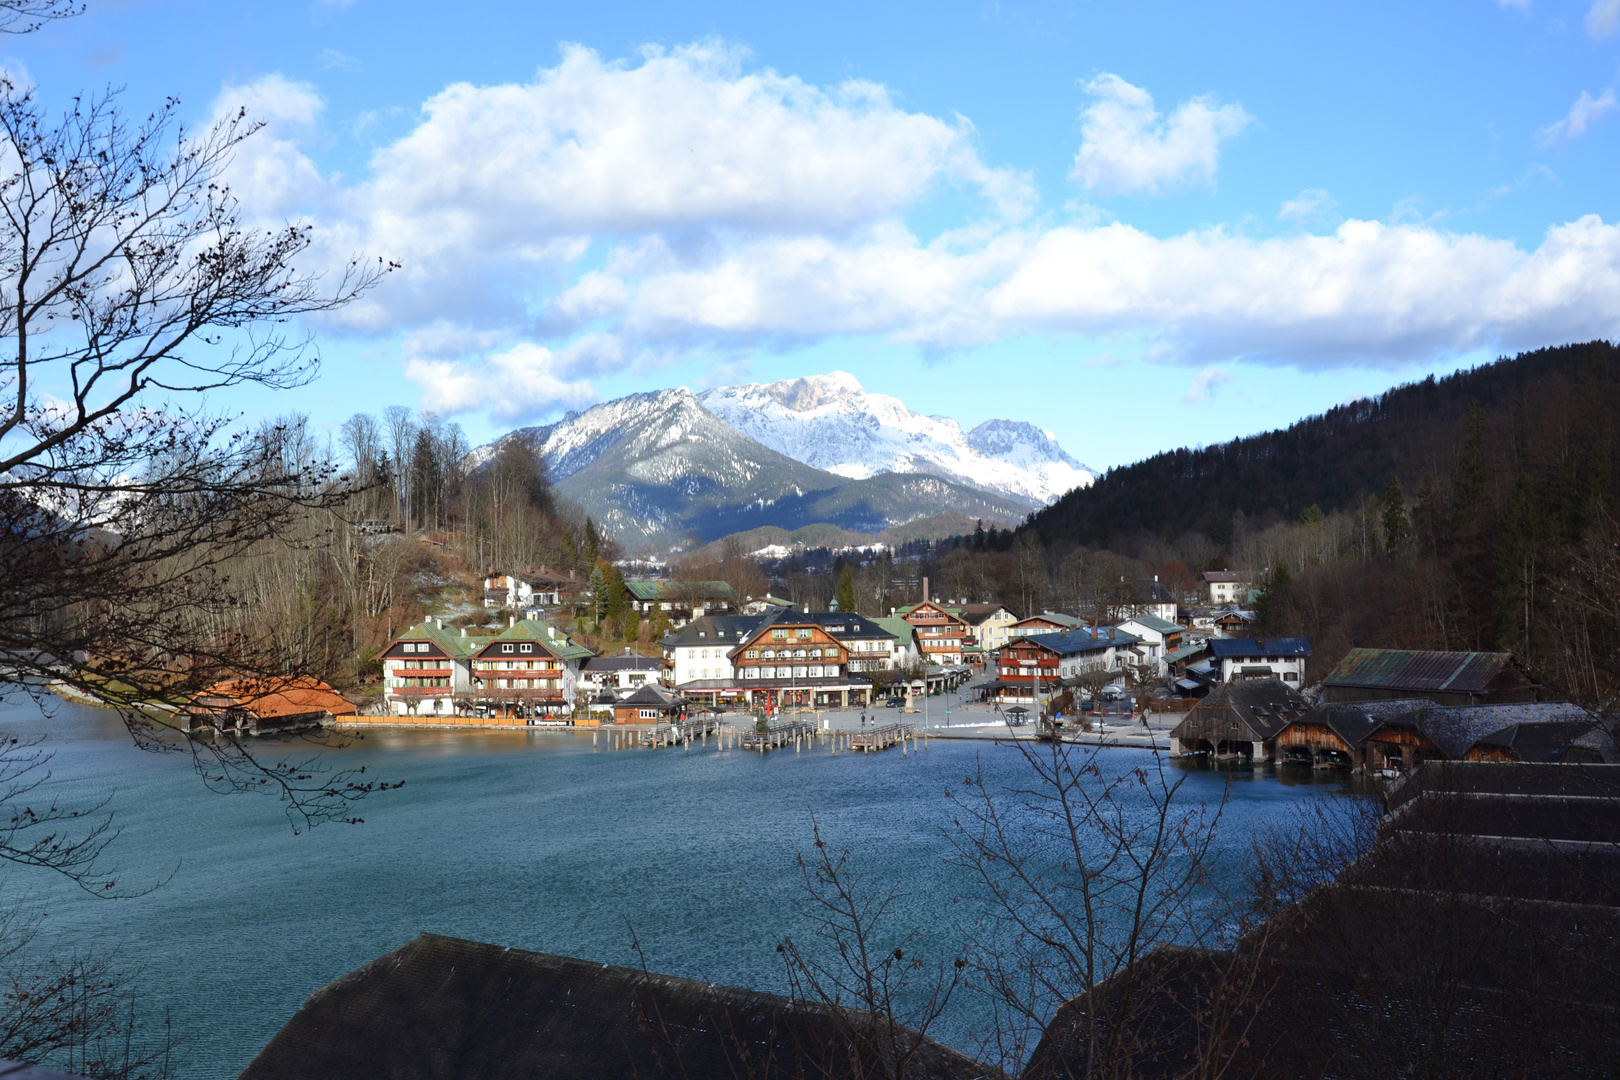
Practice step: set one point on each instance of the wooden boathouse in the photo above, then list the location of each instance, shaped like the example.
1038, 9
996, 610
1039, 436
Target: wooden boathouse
1238, 719
1396, 735
265, 706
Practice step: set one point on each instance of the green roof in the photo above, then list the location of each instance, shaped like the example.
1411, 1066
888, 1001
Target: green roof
535, 630
1153, 622
454, 645
680, 590
897, 626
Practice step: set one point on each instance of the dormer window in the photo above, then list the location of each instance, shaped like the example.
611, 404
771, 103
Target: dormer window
409, 646
525, 648
506, 648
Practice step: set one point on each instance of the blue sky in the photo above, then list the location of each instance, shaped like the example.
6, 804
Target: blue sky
1139, 226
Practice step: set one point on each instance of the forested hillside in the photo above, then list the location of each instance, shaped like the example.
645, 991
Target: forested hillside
1476, 511
1330, 461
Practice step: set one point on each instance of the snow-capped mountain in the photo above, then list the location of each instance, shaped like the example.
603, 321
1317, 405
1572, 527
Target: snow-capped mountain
832, 423
660, 467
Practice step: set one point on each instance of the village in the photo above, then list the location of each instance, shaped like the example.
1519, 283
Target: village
1184, 677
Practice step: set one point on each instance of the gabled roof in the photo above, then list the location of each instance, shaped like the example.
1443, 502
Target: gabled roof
1241, 648
975, 614
726, 630
1175, 656
1053, 617
1406, 669
953, 612
552, 641
902, 631
680, 590
1215, 576
652, 695
273, 697
1456, 729
842, 624
1354, 721
1265, 706
458, 646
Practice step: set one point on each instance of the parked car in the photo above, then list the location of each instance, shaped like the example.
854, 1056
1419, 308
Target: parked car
895, 703
1111, 693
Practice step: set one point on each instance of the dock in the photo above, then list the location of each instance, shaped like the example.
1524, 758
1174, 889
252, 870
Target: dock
800, 735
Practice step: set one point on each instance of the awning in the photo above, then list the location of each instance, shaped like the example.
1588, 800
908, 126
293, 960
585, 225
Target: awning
1188, 684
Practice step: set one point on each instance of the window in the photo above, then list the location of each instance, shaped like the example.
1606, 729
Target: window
799, 654
525, 648
769, 654
649, 714
705, 654
409, 646
506, 648
778, 635
815, 652
804, 633
753, 654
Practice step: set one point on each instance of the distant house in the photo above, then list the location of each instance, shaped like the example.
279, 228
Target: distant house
824, 658
1047, 622
507, 591
1232, 621
907, 648
761, 605
941, 633
1150, 598
1445, 678
601, 673
549, 588
1229, 586
1159, 637
1238, 719
682, 601
700, 651
987, 624
1397, 734
1261, 658
1050, 661
265, 706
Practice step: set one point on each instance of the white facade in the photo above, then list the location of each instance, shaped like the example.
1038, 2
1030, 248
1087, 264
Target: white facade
506, 591
1290, 669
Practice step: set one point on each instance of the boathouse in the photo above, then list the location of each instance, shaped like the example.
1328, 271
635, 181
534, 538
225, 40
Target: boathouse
1445, 678
265, 706
1395, 735
1238, 719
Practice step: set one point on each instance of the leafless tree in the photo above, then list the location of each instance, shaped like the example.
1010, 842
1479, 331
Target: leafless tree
130, 284
1088, 870
26, 16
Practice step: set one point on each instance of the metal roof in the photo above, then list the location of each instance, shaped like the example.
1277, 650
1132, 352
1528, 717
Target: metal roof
1153, 622
1240, 648
680, 590
1407, 669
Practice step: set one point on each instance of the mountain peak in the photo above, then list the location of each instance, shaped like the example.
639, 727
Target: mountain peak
831, 422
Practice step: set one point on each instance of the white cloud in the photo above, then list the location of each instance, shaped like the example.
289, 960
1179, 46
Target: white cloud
1586, 111
1603, 18
1308, 207
522, 383
612, 216
1127, 146
1205, 383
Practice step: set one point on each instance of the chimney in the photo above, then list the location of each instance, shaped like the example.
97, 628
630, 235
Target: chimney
925, 590
463, 631
511, 620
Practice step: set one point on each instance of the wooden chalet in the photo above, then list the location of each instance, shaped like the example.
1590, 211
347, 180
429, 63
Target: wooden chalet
1049, 662
1238, 719
425, 669
263, 706
1047, 622
1445, 678
1397, 734
941, 633
792, 658
530, 670
682, 600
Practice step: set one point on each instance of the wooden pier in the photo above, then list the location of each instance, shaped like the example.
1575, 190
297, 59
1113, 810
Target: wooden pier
801, 735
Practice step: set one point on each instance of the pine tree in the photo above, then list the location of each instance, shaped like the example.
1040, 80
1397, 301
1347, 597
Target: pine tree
598, 594
1397, 524
1468, 482
846, 590
592, 543
978, 536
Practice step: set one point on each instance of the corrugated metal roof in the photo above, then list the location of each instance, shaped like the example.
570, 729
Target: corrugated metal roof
1407, 669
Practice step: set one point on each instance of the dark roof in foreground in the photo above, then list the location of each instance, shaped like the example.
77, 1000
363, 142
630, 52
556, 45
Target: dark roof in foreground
1408, 669
442, 1008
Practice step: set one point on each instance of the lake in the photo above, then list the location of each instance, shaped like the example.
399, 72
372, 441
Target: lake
528, 839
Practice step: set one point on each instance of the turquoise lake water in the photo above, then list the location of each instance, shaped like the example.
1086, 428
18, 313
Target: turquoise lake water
532, 840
